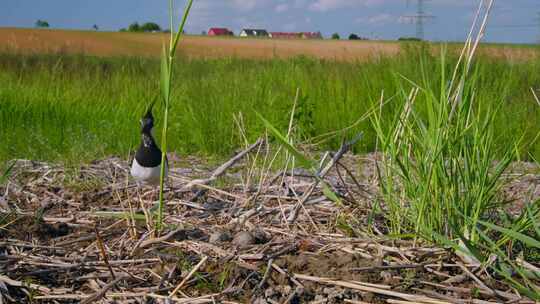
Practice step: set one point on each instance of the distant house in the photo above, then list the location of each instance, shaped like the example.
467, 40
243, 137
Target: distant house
254, 33
292, 35
311, 35
219, 31
285, 35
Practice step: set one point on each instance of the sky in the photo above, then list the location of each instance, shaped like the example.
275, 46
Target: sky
513, 21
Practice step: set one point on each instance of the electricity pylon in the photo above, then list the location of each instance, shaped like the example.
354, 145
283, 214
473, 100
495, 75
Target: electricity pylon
420, 18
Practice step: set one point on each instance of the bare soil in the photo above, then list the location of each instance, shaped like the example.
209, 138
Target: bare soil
150, 44
67, 235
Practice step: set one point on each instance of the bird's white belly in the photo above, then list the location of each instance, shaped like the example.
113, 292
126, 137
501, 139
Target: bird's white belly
146, 175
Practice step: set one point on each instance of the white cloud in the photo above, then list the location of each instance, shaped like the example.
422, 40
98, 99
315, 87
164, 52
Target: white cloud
379, 19
326, 5
246, 5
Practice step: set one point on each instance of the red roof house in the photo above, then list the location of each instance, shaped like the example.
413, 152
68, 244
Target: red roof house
218, 31
285, 35
311, 35
292, 35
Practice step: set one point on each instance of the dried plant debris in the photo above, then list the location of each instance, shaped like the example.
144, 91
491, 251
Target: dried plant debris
83, 235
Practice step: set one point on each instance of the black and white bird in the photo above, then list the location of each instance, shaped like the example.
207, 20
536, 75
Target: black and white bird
146, 167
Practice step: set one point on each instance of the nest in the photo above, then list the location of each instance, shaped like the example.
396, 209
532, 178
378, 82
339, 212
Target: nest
240, 233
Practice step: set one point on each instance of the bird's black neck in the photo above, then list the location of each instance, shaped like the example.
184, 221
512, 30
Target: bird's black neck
148, 154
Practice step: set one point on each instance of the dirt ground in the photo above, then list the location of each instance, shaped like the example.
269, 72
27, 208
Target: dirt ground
78, 235
138, 44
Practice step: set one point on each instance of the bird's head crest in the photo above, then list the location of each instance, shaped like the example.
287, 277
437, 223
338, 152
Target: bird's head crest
147, 122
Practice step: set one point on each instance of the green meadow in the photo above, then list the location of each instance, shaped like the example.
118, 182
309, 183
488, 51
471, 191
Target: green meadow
78, 108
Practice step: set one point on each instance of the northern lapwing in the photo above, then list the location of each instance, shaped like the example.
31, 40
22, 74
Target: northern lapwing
146, 167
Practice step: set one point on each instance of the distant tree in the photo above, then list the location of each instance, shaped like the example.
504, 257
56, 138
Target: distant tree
42, 23
409, 39
336, 36
353, 36
95, 27
150, 27
203, 33
123, 30
134, 27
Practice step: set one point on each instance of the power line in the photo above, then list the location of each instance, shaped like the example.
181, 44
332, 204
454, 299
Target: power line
515, 26
420, 18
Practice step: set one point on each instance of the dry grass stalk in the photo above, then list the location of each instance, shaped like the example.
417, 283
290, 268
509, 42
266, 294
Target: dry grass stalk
190, 274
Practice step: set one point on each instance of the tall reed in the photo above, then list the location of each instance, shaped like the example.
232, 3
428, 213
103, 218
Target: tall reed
167, 60
441, 170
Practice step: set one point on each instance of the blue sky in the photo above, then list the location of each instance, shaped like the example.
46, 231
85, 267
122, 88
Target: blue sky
512, 20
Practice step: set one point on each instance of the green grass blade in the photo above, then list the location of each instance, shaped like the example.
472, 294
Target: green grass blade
7, 172
181, 28
301, 158
534, 216
529, 241
165, 76
330, 194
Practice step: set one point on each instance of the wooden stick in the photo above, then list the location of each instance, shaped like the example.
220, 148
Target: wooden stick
345, 147
11, 282
221, 169
408, 297
164, 238
476, 279
100, 294
265, 277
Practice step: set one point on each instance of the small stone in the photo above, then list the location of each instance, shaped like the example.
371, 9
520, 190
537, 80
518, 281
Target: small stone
386, 276
3, 204
194, 234
260, 301
328, 290
261, 237
220, 237
46, 203
243, 239
287, 290
368, 297
268, 293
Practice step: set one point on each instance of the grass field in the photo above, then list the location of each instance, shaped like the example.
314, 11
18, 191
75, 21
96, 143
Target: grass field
80, 107
36, 41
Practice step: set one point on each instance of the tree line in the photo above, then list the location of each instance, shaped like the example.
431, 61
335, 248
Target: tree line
150, 27
143, 28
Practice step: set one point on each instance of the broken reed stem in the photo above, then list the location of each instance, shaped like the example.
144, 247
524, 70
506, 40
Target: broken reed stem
321, 173
535, 96
190, 274
101, 293
101, 247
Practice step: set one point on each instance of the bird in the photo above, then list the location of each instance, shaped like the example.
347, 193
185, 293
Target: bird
146, 166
